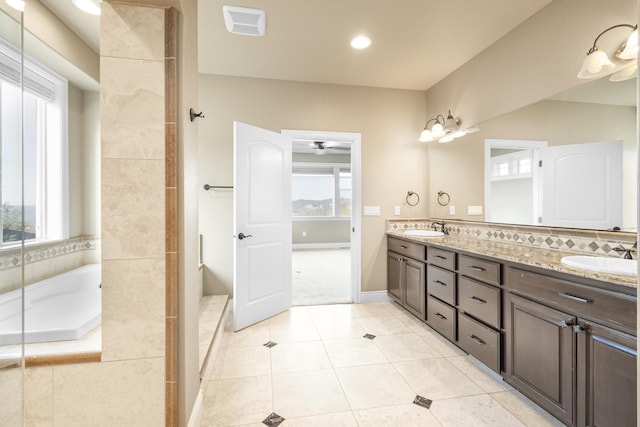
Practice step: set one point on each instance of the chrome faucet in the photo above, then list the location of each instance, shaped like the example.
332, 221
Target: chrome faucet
442, 226
627, 252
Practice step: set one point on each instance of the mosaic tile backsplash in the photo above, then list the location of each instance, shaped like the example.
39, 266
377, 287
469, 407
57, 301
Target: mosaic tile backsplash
46, 260
588, 242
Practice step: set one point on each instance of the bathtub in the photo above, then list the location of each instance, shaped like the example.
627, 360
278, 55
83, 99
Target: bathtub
61, 308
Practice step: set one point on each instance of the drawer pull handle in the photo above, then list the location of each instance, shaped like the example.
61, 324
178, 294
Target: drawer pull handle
440, 257
440, 316
403, 246
439, 282
475, 267
574, 298
478, 300
477, 340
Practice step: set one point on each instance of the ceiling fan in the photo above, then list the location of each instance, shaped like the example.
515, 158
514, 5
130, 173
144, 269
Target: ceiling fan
321, 146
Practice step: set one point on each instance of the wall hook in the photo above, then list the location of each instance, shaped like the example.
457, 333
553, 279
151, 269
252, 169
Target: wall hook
193, 115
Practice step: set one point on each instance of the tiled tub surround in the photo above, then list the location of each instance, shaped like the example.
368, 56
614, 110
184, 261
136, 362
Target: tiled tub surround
536, 246
44, 260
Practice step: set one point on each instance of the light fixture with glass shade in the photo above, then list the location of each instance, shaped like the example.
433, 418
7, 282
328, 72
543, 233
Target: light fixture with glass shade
444, 129
597, 62
16, 4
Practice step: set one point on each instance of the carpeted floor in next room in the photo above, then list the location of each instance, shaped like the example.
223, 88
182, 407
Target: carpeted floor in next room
321, 276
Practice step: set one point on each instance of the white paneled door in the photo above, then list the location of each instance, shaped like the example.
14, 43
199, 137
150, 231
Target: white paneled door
262, 224
582, 185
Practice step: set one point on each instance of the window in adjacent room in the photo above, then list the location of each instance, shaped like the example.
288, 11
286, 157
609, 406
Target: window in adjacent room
322, 191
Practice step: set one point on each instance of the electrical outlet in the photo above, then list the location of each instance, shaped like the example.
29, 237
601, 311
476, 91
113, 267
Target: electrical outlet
304, 234
452, 210
396, 210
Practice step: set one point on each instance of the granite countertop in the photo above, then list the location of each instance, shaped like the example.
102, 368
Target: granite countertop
527, 255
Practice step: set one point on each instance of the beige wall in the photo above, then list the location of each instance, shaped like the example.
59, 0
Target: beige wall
325, 231
458, 167
84, 162
393, 161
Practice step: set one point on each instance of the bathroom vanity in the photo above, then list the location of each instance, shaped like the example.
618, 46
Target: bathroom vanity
566, 340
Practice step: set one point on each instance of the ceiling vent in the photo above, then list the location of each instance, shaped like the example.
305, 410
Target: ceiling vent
245, 21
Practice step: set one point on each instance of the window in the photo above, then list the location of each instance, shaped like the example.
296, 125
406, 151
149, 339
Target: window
321, 191
33, 139
512, 165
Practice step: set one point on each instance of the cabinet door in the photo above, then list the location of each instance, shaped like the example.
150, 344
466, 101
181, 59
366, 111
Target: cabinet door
394, 276
414, 287
540, 355
607, 394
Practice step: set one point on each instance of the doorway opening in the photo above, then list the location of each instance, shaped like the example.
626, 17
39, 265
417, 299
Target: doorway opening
325, 222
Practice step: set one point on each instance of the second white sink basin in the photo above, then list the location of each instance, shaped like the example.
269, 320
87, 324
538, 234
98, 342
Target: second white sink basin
424, 233
622, 267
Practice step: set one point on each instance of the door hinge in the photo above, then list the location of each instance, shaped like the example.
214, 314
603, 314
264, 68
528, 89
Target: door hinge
539, 163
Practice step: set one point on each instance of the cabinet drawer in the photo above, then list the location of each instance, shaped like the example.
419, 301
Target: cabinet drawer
479, 341
486, 271
442, 318
441, 284
606, 306
479, 300
441, 258
410, 249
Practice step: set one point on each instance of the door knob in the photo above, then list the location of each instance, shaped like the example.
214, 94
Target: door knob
243, 236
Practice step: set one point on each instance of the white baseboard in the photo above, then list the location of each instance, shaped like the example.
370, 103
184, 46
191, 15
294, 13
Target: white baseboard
321, 245
374, 296
196, 411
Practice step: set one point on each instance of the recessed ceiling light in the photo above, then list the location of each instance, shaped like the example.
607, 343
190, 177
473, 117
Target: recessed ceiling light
361, 42
16, 4
90, 6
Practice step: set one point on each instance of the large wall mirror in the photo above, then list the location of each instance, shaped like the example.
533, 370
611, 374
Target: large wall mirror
50, 191
596, 111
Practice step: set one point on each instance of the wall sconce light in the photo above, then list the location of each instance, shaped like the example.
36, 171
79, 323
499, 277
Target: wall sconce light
444, 129
16, 4
598, 64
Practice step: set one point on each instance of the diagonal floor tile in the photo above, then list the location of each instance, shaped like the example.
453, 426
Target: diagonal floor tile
353, 352
437, 379
372, 386
301, 394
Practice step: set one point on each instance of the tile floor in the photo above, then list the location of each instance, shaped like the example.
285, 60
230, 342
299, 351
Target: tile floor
324, 372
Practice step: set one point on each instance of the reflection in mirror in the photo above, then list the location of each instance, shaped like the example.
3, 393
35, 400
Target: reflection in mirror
596, 112
61, 191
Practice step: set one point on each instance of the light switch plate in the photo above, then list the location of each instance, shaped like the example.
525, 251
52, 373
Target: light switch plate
452, 210
372, 210
474, 210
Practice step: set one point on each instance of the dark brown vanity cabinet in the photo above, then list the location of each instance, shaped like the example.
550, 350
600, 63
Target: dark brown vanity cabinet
568, 348
607, 394
442, 292
406, 275
540, 355
479, 303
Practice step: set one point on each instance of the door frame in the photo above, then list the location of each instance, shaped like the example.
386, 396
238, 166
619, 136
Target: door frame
355, 140
536, 146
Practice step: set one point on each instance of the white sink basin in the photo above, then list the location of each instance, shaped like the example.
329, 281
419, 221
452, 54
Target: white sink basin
622, 267
424, 233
